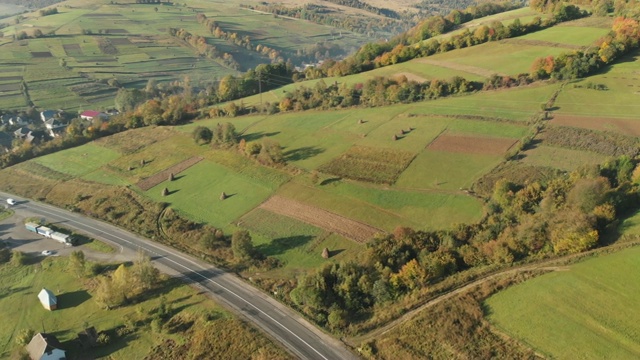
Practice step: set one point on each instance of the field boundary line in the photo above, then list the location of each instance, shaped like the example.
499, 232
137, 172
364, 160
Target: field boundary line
321, 218
157, 178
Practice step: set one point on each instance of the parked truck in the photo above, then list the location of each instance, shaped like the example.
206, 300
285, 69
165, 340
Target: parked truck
47, 232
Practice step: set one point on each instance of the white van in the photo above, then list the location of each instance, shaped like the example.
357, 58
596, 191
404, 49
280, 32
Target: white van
11, 202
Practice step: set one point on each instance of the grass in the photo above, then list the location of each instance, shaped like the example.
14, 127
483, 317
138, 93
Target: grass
501, 57
387, 208
580, 36
5, 213
197, 190
100, 246
618, 101
296, 244
78, 161
446, 170
563, 159
20, 309
588, 312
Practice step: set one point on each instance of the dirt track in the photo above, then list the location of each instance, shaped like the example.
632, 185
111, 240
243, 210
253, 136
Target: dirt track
471, 144
545, 265
153, 180
326, 220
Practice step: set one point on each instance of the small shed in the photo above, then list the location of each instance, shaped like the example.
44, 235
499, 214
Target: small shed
47, 299
45, 347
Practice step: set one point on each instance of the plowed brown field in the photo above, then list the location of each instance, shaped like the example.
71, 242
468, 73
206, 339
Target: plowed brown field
153, 180
622, 126
326, 220
472, 144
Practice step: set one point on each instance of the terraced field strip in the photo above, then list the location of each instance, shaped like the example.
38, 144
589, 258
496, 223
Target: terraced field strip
461, 67
153, 180
533, 42
472, 144
323, 219
622, 126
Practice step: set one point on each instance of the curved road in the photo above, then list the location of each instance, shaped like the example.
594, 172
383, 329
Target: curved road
283, 324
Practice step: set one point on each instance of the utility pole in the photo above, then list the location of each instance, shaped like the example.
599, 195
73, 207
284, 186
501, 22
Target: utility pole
260, 87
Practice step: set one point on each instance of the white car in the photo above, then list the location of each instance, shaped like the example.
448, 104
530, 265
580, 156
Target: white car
47, 252
11, 202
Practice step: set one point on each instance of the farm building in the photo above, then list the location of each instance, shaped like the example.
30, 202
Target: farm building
47, 299
45, 347
89, 115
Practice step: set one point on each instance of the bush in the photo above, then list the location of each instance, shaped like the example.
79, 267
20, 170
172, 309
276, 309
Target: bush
24, 337
18, 258
104, 339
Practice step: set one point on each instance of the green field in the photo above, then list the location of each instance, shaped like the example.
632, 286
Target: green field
579, 36
588, 312
197, 190
20, 309
501, 57
78, 161
618, 101
295, 243
560, 158
446, 171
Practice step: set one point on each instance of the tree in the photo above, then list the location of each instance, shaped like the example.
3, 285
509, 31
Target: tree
127, 100
77, 263
270, 153
146, 275
202, 135
242, 246
225, 134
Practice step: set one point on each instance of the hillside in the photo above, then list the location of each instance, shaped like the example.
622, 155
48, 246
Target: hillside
78, 57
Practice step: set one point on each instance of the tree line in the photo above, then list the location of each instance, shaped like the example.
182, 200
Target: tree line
236, 39
199, 43
372, 27
411, 45
623, 38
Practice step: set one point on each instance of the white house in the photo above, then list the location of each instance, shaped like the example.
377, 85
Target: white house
18, 121
45, 347
47, 114
47, 299
55, 127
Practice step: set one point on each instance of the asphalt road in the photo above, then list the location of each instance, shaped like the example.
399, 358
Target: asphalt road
281, 323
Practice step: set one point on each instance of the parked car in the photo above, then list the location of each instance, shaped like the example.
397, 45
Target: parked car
11, 202
47, 252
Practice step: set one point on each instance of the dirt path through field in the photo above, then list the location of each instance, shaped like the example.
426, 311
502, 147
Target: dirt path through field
460, 67
153, 180
326, 220
546, 265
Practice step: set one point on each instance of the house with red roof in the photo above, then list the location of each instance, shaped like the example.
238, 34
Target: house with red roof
89, 115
